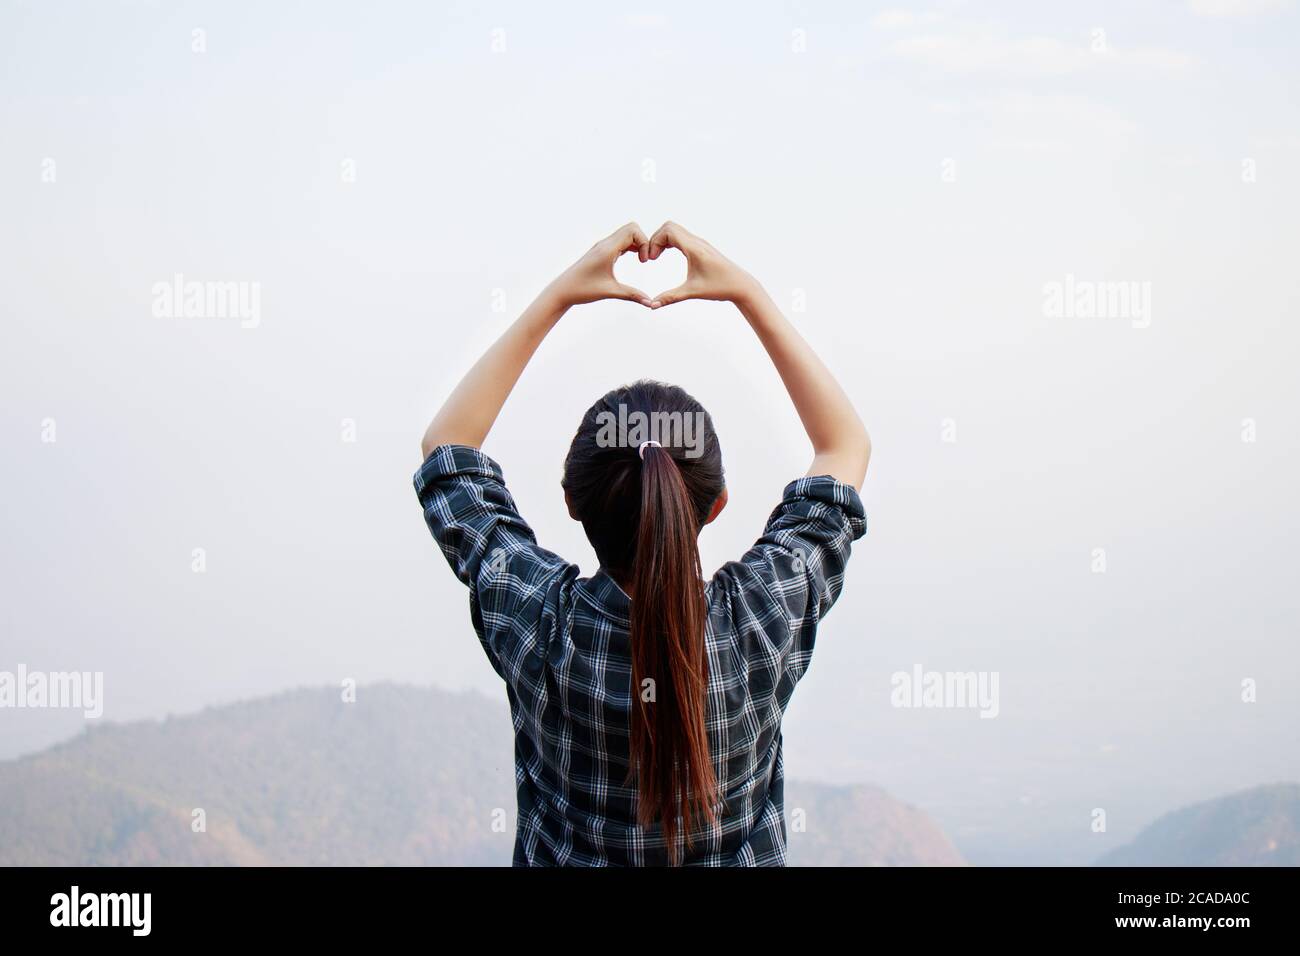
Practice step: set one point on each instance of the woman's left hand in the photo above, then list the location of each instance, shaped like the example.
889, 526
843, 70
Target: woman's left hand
591, 278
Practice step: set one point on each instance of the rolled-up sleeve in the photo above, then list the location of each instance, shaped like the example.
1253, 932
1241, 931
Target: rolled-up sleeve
790, 578
473, 518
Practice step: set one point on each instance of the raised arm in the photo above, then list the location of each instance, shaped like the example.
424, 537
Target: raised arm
841, 446
469, 412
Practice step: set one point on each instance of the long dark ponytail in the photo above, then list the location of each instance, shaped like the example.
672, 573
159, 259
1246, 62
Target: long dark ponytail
642, 508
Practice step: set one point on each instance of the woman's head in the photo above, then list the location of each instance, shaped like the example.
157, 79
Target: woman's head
642, 506
604, 467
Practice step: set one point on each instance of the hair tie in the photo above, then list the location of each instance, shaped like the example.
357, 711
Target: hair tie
641, 451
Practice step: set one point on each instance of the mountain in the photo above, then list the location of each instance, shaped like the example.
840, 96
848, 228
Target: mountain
403, 775
1256, 827
860, 825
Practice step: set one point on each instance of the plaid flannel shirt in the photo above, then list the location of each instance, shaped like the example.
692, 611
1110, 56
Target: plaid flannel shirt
560, 643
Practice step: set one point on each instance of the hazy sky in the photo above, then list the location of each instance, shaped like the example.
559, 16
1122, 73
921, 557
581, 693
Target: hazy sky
907, 183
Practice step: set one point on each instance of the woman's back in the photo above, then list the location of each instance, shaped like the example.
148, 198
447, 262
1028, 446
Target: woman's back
562, 645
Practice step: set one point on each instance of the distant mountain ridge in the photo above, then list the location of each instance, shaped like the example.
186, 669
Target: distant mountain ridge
1255, 827
403, 776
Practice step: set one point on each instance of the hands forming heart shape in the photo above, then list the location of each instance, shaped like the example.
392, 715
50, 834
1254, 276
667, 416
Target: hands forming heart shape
709, 274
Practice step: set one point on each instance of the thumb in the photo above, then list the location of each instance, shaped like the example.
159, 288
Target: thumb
631, 293
678, 294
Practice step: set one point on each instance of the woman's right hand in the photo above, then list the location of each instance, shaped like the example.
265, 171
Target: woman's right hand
709, 274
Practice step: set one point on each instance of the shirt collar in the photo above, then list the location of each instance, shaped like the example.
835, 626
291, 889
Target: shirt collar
604, 594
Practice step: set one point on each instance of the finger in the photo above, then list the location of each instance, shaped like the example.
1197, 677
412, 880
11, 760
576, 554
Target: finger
641, 244
682, 292
632, 239
630, 293
667, 236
